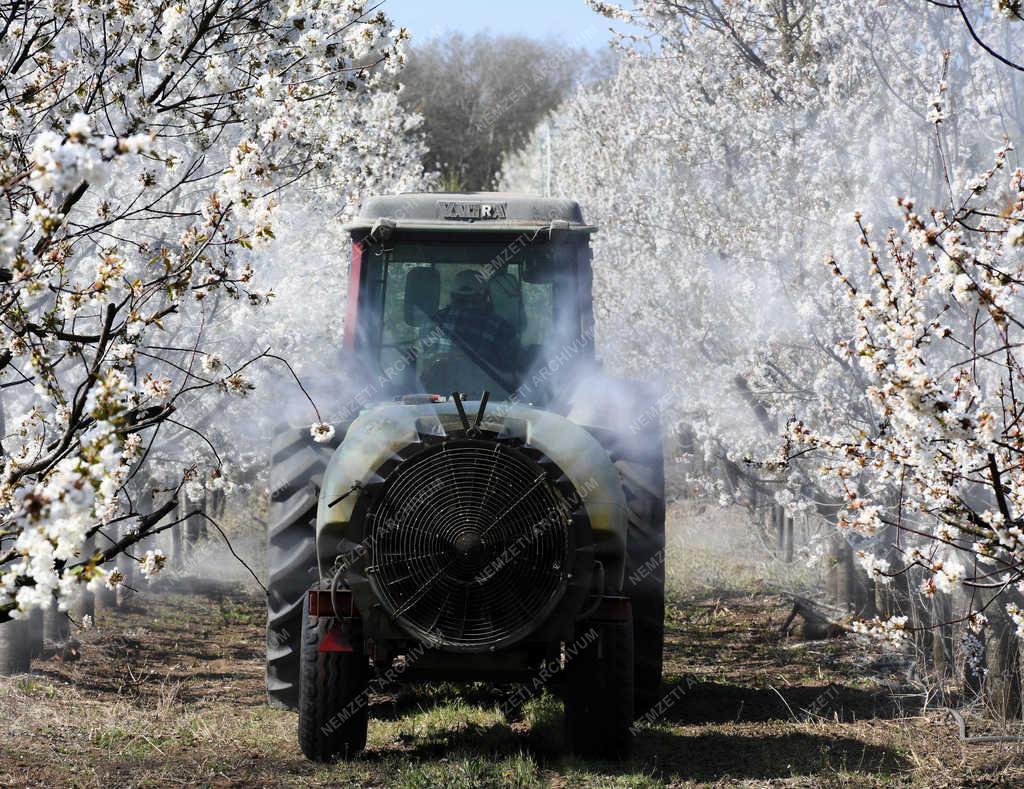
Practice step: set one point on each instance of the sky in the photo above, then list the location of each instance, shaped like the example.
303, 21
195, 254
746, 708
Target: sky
571, 21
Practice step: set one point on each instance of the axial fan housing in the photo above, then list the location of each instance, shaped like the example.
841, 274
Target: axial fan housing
471, 541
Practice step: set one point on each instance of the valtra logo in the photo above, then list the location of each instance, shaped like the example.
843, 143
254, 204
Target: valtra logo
468, 212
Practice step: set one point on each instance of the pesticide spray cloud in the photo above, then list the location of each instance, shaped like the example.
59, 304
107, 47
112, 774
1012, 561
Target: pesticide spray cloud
736, 172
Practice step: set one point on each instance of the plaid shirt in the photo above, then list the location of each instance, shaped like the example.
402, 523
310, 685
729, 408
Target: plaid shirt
476, 327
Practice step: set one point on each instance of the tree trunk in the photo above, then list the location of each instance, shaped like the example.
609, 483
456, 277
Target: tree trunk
217, 502
84, 606
56, 628
845, 577
177, 541
768, 519
942, 636
15, 647
35, 633
835, 591
780, 529
863, 592
974, 673
196, 524
1002, 676
126, 566
103, 598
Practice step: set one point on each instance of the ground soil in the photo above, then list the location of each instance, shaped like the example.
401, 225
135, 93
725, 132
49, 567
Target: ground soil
169, 690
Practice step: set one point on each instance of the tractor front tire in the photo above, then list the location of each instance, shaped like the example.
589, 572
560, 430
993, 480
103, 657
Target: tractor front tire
295, 476
599, 691
333, 698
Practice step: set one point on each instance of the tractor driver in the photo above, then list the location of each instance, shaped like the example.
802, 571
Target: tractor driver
470, 327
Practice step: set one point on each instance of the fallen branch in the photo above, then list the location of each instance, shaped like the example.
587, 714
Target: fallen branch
978, 738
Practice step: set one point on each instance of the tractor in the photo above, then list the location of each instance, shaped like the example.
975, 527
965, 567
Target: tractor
490, 505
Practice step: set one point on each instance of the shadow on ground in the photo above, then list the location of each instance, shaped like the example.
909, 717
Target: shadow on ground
749, 734
715, 755
693, 703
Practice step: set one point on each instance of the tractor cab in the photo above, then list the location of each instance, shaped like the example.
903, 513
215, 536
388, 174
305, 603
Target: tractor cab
470, 292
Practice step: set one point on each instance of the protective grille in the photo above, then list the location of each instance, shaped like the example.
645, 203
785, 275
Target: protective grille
469, 545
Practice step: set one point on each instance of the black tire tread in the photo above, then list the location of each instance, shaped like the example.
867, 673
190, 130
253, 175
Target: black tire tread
306, 466
645, 573
638, 457
295, 477
599, 699
333, 699
284, 513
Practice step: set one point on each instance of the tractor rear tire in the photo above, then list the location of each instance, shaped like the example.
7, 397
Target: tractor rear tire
638, 456
643, 480
295, 477
599, 691
334, 698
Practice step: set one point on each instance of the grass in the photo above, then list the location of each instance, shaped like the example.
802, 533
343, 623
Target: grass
170, 691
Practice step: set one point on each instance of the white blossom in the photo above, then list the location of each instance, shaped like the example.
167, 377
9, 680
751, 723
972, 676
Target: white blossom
322, 432
152, 562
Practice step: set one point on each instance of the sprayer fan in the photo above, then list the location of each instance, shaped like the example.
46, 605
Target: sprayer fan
470, 544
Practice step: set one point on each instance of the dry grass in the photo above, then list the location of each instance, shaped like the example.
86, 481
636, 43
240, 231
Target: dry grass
711, 550
172, 694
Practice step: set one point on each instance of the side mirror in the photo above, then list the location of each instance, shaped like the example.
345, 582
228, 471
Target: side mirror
422, 295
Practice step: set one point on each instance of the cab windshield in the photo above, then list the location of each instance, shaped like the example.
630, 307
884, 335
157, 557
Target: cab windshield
471, 315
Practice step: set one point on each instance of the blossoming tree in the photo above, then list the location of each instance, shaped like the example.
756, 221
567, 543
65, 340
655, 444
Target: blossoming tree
724, 162
146, 150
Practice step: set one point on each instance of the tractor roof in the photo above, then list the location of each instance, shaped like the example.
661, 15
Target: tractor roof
479, 212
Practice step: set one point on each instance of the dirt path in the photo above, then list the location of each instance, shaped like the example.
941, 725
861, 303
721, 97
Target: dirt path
173, 694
